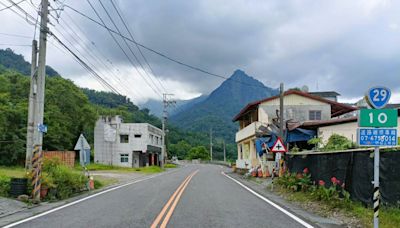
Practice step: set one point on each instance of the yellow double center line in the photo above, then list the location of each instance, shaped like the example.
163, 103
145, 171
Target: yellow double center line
174, 199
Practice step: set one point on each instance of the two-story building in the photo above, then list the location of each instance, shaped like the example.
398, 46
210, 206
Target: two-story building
298, 106
126, 144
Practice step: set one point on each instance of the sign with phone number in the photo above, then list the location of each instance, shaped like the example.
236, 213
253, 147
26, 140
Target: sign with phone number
377, 137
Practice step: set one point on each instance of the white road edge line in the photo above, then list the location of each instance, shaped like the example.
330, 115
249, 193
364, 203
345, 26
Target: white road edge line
80, 200
297, 219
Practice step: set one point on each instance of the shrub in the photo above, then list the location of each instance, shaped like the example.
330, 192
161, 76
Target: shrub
4, 185
338, 142
65, 181
296, 182
334, 195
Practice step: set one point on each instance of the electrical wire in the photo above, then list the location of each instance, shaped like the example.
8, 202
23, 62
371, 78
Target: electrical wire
85, 65
78, 40
137, 46
79, 60
20, 45
159, 53
14, 35
126, 55
8, 7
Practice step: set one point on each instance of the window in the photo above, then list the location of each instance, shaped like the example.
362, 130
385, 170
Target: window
314, 115
138, 135
124, 138
124, 158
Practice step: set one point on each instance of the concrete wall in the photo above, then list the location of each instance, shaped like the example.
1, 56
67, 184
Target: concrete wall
296, 107
136, 148
348, 130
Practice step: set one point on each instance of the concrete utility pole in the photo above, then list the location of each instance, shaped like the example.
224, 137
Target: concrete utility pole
31, 109
36, 104
281, 110
166, 103
224, 152
211, 145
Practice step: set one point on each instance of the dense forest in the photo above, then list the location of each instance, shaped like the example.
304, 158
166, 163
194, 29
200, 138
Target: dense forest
16, 62
70, 110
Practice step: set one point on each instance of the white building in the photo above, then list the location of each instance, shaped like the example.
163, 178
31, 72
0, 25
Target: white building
126, 144
299, 106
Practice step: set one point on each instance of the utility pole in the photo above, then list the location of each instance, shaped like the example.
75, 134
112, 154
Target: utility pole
211, 145
281, 111
36, 105
224, 152
166, 103
31, 109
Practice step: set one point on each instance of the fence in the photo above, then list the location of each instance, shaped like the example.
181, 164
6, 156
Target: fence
355, 168
66, 157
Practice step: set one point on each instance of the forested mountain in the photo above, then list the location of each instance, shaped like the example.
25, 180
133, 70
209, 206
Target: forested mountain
218, 109
156, 106
67, 114
11, 60
69, 111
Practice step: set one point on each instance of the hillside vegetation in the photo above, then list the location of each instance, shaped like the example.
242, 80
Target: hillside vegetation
69, 111
16, 62
218, 110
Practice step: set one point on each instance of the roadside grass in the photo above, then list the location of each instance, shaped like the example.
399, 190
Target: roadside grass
12, 171
170, 165
102, 167
389, 217
101, 181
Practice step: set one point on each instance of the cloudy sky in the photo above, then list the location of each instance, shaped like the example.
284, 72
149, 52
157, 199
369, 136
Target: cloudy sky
346, 46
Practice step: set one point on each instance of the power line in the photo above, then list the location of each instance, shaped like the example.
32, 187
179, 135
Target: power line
17, 45
8, 7
85, 65
130, 49
14, 35
155, 89
159, 53
93, 55
137, 46
76, 57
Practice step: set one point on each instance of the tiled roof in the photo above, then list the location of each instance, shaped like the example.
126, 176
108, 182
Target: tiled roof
337, 108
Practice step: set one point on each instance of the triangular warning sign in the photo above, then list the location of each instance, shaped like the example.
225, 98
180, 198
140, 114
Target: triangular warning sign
278, 146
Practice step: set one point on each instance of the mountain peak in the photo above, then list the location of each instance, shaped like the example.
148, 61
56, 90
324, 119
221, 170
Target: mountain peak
239, 74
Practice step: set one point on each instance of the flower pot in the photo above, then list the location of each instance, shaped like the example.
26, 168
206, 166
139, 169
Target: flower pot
43, 192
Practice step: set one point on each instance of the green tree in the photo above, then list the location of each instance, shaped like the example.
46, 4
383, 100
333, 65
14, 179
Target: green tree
199, 152
180, 149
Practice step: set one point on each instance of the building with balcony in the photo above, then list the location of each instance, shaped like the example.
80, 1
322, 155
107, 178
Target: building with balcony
298, 107
126, 144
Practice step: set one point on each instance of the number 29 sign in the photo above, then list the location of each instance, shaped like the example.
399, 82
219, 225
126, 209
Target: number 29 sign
378, 97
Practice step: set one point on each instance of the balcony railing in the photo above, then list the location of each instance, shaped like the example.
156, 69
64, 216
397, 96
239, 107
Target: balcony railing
248, 131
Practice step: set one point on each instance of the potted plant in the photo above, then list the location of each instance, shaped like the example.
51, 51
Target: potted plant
46, 184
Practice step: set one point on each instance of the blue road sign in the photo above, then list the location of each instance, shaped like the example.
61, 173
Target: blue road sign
42, 128
377, 136
378, 96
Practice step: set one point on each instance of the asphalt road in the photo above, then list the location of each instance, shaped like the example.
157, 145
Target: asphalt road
206, 198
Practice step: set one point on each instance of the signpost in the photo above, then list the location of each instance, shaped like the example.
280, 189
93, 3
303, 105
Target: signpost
84, 150
378, 118
379, 133
377, 137
278, 146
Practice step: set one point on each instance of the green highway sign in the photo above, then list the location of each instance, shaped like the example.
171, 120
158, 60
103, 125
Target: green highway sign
378, 118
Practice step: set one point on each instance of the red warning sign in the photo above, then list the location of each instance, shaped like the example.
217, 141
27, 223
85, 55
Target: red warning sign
279, 146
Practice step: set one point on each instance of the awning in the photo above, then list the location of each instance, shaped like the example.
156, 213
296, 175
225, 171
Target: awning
300, 134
